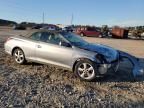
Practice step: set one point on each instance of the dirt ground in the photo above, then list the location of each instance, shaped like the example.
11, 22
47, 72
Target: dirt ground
35, 85
131, 46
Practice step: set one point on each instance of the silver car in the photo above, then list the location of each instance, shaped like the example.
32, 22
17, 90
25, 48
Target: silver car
68, 50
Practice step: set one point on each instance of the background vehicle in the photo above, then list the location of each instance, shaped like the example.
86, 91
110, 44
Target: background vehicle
68, 29
37, 27
70, 51
118, 32
105, 31
50, 27
142, 34
19, 27
88, 31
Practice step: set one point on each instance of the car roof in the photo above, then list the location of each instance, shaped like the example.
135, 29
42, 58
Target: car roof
34, 31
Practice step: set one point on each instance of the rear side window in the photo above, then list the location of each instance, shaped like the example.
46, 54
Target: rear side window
50, 38
36, 36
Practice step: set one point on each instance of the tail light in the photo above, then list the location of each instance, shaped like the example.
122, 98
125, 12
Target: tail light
8, 39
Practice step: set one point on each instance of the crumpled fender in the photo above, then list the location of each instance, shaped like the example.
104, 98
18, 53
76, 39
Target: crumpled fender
138, 70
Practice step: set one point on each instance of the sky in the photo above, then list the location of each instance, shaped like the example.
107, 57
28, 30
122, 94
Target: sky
85, 12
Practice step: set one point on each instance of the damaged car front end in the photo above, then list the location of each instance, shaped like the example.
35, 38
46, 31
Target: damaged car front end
111, 58
138, 70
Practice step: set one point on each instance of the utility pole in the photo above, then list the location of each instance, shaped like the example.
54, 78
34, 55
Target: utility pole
72, 20
43, 18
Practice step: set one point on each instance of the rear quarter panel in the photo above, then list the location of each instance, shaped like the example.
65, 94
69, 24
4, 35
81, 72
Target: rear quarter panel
27, 45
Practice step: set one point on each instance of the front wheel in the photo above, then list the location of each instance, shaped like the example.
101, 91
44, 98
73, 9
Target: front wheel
19, 56
85, 70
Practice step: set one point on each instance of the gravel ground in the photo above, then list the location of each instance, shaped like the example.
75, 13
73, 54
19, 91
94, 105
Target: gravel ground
35, 85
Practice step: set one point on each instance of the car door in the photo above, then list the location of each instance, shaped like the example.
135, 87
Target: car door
49, 50
30, 46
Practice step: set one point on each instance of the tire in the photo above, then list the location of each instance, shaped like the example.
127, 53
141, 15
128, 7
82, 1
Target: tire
100, 36
82, 34
85, 70
19, 56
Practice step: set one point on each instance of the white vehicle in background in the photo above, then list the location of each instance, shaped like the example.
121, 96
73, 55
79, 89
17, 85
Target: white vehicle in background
50, 27
68, 28
142, 35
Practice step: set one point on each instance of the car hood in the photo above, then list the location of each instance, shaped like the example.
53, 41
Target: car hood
110, 53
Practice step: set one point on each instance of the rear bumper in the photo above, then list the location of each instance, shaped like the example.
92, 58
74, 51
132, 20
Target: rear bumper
138, 70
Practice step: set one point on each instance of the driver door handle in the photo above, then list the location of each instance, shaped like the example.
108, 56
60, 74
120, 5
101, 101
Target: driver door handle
39, 46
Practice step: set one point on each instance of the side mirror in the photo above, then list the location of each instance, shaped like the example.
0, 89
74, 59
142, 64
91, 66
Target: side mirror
62, 43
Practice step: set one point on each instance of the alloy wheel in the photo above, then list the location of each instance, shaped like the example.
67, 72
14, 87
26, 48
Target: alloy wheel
19, 56
86, 71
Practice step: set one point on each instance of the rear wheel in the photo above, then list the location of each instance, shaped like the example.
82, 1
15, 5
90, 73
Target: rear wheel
19, 56
85, 70
100, 36
82, 34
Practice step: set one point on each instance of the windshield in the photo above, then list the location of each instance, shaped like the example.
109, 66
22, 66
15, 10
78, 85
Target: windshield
75, 40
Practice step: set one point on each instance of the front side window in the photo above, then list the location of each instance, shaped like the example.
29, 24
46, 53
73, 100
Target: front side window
45, 37
75, 39
58, 40
36, 36
55, 39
